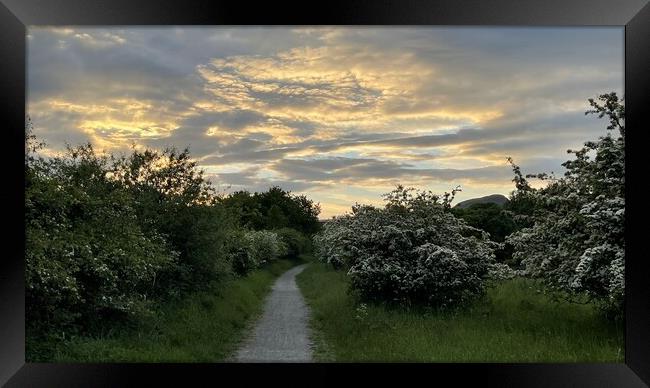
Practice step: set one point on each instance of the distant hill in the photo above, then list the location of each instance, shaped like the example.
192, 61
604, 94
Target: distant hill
494, 198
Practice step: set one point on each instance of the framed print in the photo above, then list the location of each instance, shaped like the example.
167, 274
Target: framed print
360, 190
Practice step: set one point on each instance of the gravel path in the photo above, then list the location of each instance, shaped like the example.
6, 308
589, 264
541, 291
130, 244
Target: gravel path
282, 334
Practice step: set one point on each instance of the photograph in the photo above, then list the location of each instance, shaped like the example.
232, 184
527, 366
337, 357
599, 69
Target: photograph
325, 194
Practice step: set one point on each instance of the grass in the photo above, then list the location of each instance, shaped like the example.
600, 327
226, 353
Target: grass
514, 323
203, 327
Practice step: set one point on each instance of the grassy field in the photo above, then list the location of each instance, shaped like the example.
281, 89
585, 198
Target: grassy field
513, 323
204, 327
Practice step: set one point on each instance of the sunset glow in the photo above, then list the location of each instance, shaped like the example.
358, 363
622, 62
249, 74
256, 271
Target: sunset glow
339, 114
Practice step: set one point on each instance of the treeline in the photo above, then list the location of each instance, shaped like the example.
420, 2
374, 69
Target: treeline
107, 236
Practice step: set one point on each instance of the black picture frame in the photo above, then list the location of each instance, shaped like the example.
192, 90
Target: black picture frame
16, 15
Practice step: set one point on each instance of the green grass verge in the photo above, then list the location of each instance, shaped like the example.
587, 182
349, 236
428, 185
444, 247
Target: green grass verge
203, 327
513, 323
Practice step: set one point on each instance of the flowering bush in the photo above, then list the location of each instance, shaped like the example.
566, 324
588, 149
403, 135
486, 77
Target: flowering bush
86, 256
576, 243
295, 242
238, 252
501, 271
250, 249
411, 251
264, 246
106, 235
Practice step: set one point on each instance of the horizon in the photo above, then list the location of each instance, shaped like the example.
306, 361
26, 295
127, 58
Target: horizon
340, 114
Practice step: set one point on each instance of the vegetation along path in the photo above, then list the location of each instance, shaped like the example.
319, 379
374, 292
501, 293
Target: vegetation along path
282, 334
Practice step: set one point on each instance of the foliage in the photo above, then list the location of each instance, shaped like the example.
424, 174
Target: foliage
87, 258
489, 217
296, 242
106, 235
521, 204
412, 251
493, 219
250, 249
576, 240
172, 198
274, 209
264, 246
245, 208
501, 271
204, 326
238, 250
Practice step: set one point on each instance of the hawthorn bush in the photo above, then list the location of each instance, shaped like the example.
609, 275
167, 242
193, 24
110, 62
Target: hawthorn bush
250, 249
264, 246
242, 263
295, 241
86, 256
575, 242
107, 235
411, 251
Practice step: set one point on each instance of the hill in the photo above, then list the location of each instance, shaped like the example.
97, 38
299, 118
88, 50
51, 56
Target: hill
494, 198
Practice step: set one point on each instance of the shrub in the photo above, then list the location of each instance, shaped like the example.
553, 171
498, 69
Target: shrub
264, 246
86, 256
172, 198
495, 220
199, 234
105, 235
242, 262
250, 249
295, 242
576, 239
501, 271
329, 243
411, 251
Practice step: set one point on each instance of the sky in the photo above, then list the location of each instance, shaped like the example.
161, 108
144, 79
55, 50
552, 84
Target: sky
340, 114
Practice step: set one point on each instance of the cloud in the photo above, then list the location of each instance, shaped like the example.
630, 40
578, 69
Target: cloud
249, 180
349, 170
339, 113
248, 156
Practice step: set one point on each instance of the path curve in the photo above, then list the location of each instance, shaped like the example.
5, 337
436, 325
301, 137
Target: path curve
282, 334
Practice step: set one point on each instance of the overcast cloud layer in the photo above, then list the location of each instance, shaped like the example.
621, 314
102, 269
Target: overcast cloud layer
339, 114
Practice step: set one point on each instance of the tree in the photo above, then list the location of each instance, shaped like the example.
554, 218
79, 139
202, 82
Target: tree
495, 220
172, 197
273, 209
245, 208
576, 242
521, 204
275, 218
489, 217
